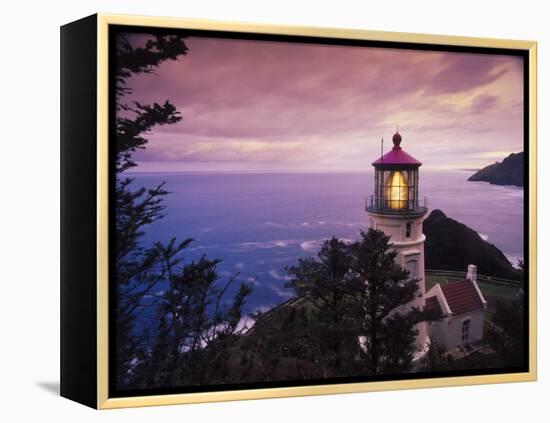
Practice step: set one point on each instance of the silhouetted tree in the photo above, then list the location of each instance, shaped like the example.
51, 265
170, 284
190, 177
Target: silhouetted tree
136, 267
388, 328
134, 119
506, 332
283, 345
351, 291
194, 309
332, 294
192, 312
436, 360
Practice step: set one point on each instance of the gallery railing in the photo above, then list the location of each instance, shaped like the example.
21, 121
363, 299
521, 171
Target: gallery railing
392, 206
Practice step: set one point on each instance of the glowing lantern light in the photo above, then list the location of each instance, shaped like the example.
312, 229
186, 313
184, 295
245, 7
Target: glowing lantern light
397, 193
395, 182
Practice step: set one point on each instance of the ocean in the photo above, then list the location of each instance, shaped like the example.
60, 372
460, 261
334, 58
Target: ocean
259, 223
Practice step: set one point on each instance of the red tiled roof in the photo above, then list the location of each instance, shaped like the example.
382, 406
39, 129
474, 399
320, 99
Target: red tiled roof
396, 156
461, 297
432, 304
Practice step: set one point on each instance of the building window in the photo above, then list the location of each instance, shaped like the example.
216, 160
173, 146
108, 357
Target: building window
408, 230
466, 330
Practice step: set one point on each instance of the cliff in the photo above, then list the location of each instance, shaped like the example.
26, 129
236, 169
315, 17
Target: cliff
507, 172
451, 245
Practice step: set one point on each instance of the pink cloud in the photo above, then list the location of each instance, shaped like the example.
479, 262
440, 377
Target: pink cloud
315, 105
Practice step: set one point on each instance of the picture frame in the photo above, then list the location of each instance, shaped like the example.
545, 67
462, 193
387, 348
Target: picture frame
89, 109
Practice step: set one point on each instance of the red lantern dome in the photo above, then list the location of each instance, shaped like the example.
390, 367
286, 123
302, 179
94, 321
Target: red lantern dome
396, 183
397, 156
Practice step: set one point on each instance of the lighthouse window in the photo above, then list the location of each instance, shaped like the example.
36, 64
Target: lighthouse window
408, 230
396, 189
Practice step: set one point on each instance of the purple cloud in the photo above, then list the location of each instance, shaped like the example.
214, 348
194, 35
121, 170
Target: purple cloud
305, 106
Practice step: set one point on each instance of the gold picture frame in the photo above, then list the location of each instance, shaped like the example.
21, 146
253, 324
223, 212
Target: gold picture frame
99, 361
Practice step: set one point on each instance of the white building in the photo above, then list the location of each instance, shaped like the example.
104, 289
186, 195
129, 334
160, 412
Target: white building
462, 308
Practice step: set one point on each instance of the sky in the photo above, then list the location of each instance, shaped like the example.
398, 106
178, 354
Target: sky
274, 106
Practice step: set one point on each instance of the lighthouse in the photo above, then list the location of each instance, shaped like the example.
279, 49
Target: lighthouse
395, 209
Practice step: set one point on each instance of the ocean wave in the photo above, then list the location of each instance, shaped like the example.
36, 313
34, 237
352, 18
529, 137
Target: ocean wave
276, 275
262, 308
507, 190
202, 247
513, 259
254, 281
253, 245
311, 246
314, 245
283, 293
245, 324
515, 193
318, 223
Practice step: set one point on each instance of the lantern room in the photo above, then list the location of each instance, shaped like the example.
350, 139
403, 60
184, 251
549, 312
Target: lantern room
396, 183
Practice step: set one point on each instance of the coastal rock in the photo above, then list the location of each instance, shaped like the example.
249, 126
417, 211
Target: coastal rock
507, 172
451, 245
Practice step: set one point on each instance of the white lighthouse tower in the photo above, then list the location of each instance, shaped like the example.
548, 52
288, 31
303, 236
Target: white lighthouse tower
394, 208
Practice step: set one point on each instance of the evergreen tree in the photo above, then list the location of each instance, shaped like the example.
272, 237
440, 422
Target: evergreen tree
506, 332
334, 316
351, 292
388, 328
192, 312
136, 267
284, 345
193, 306
436, 360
